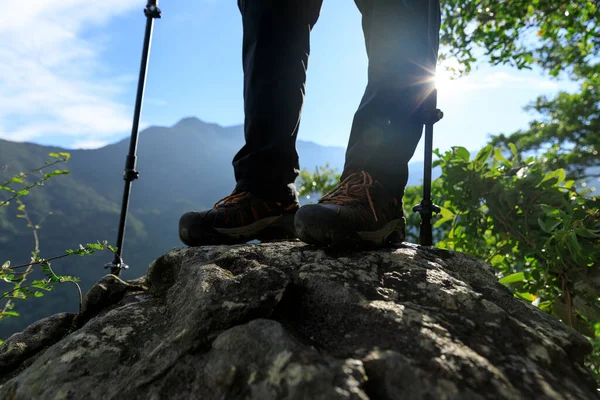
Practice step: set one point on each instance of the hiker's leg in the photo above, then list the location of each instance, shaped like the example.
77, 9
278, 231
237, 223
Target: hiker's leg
275, 57
402, 39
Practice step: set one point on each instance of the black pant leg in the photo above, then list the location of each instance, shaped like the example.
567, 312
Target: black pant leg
402, 40
275, 57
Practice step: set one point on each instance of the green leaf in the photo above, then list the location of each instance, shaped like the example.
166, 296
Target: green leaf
559, 174
549, 225
549, 210
512, 278
94, 246
497, 259
66, 278
513, 149
484, 154
586, 233
18, 279
56, 173
542, 225
462, 153
446, 215
41, 284
545, 306
526, 296
500, 157
10, 314
38, 294
46, 267
574, 242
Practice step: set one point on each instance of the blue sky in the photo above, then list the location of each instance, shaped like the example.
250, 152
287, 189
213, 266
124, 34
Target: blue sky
68, 75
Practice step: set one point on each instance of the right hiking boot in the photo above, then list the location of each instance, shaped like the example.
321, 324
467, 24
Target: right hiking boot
239, 218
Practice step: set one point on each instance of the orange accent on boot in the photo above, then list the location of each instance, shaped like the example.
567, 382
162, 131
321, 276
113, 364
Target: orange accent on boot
291, 207
350, 189
234, 197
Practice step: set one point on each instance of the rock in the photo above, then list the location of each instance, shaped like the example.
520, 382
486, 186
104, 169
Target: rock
106, 292
288, 321
264, 356
20, 347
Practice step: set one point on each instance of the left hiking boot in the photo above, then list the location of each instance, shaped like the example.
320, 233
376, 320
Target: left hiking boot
238, 218
359, 212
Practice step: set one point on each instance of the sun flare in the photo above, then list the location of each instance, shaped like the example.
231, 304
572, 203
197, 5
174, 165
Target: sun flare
443, 78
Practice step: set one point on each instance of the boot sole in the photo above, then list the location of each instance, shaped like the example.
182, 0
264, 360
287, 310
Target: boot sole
391, 234
279, 227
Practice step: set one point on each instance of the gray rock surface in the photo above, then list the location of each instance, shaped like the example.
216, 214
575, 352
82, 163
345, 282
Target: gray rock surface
289, 321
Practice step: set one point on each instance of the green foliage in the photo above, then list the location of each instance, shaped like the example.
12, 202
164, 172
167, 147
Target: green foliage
23, 186
18, 186
557, 36
16, 276
322, 181
566, 130
530, 224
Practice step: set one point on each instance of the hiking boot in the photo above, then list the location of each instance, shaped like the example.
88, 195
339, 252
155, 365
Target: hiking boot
358, 212
238, 218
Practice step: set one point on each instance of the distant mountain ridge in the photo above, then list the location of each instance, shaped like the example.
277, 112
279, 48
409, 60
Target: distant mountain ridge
183, 167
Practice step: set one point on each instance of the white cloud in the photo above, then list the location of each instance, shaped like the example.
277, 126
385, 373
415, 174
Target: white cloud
49, 74
495, 80
89, 144
505, 79
155, 102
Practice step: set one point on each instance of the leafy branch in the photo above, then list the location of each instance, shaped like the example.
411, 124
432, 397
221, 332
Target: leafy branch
17, 275
20, 178
9, 275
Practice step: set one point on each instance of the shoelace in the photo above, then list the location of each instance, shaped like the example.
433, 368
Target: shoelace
351, 189
234, 197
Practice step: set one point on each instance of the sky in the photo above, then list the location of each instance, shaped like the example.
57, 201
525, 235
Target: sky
69, 68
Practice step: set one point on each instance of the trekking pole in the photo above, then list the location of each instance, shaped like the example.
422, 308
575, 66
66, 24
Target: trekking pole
426, 208
130, 174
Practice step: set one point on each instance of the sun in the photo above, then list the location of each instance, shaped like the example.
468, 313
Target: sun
444, 78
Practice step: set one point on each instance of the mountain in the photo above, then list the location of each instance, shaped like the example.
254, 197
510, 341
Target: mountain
183, 167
